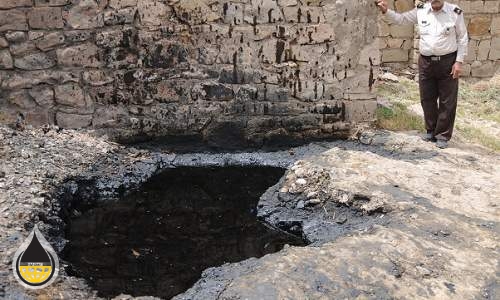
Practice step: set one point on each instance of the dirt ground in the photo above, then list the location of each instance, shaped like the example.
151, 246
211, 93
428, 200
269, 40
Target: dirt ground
388, 215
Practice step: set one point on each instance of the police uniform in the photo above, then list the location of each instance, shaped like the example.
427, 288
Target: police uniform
443, 41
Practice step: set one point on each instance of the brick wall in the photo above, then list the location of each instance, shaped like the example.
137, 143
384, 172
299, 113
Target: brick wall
483, 23
252, 69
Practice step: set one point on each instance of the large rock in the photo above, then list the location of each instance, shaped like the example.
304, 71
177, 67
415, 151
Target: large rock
495, 49
110, 116
192, 12
495, 25
20, 49
153, 12
3, 43
13, 19
46, 18
479, 25
70, 94
483, 69
86, 14
66, 120
6, 60
34, 61
120, 16
43, 95
50, 40
15, 36
21, 99
84, 55
395, 55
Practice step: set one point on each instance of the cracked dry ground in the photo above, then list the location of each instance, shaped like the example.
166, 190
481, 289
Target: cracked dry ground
430, 231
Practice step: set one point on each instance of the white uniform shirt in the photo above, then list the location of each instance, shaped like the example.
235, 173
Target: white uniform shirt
441, 32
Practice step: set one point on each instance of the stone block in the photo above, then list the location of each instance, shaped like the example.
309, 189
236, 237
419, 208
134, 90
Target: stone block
495, 25
34, 61
303, 14
3, 43
360, 111
246, 93
74, 36
13, 19
302, 122
472, 51
397, 31
466, 70
84, 55
15, 36
154, 12
110, 116
217, 92
483, 69
87, 14
121, 16
395, 55
6, 61
22, 48
35, 34
43, 95
51, 2
70, 94
50, 41
117, 4
479, 25
23, 80
492, 6
39, 117
261, 12
65, 120
96, 78
21, 99
6, 4
483, 49
45, 18
495, 49
404, 5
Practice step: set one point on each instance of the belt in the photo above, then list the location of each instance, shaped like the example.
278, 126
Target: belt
439, 57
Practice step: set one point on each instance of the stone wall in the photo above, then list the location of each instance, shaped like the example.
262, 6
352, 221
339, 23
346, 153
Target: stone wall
482, 17
252, 70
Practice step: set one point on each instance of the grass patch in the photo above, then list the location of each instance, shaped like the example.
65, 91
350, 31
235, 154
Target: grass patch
480, 100
476, 135
405, 91
398, 118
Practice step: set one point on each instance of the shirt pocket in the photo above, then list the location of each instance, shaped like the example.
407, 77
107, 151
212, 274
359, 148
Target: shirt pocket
448, 29
424, 28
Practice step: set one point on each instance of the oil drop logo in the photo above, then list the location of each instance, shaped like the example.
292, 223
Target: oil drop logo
35, 264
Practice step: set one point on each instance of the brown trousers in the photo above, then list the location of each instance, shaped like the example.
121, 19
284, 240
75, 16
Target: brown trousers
436, 83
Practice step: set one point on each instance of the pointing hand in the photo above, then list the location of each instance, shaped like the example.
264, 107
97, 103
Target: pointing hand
382, 5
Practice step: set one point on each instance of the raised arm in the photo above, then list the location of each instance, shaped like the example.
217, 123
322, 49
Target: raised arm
409, 17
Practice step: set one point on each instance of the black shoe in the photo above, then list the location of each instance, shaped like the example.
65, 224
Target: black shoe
442, 144
428, 137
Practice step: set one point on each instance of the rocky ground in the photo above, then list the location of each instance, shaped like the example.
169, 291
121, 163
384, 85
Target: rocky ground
388, 215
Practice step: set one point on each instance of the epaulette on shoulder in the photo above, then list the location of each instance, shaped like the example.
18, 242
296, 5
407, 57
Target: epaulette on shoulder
458, 10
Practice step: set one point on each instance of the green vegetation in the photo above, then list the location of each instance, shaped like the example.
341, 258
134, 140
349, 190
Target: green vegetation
398, 118
478, 112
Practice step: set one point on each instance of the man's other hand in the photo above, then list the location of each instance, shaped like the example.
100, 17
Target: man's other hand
456, 70
382, 5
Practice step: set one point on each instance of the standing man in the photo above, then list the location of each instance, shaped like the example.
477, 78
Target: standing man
443, 47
